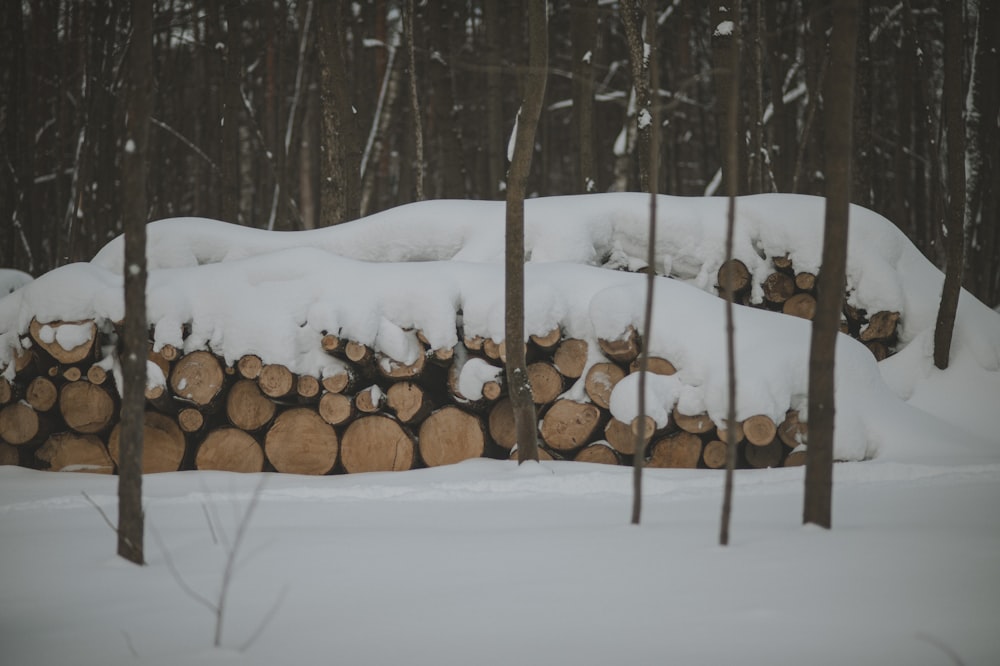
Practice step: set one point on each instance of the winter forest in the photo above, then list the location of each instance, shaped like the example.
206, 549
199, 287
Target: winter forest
245, 92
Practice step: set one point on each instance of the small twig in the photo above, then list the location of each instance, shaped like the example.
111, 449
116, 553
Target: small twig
265, 621
100, 511
169, 561
211, 527
131, 647
227, 574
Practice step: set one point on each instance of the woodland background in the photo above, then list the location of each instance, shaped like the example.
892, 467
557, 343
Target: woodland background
241, 89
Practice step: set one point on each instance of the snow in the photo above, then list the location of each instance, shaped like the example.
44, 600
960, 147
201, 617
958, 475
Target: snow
486, 562
11, 280
724, 29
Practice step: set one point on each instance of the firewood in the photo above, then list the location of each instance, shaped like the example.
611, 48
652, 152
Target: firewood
408, 401
41, 394
547, 341
190, 420
778, 288
570, 358
6, 391
72, 452
301, 442
655, 366
451, 435
715, 453
21, 424
230, 450
276, 381
98, 375
51, 338
493, 389
692, 423
598, 452
163, 444
331, 343
542, 454
441, 355
358, 353
156, 358
623, 349
336, 408
72, 374
619, 435
501, 424
782, 263
546, 382
370, 400
805, 282
601, 380
723, 432
795, 459
568, 424
9, 454
759, 429
249, 366
733, 273
800, 305
85, 407
792, 431
879, 349
493, 349
197, 377
762, 457
307, 387
23, 359
376, 443
341, 382
247, 407
392, 369
681, 449
473, 342
158, 397
170, 352
881, 326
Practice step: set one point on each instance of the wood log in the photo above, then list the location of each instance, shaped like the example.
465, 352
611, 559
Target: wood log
656, 366
881, 326
723, 432
377, 443
692, 423
778, 288
358, 353
67, 342
72, 374
197, 377
170, 352
547, 341
408, 401
800, 305
392, 369
158, 397
276, 381
156, 358
23, 359
501, 424
546, 383
190, 420
336, 408
230, 450
72, 452
473, 342
6, 391
9, 454
493, 389
543, 454
86, 408
570, 358
879, 349
163, 443
735, 274
41, 394
601, 380
624, 349
247, 407
598, 452
307, 387
792, 431
805, 282
441, 355
370, 400
331, 343
568, 424
249, 366
768, 455
795, 459
715, 453
21, 424
451, 435
301, 442
681, 449
619, 435
98, 375
341, 382
759, 429
782, 263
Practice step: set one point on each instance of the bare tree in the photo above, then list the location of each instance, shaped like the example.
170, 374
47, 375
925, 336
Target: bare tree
134, 207
583, 17
731, 178
838, 117
520, 166
955, 266
639, 62
418, 130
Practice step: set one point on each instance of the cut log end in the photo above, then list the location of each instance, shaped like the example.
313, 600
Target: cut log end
601, 380
197, 377
230, 450
682, 449
568, 424
377, 443
163, 444
300, 442
623, 349
451, 435
693, 423
72, 452
759, 429
87, 409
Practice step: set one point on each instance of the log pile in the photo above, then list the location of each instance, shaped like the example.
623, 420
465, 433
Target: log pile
61, 409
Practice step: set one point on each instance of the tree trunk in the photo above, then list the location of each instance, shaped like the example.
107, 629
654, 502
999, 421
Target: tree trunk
520, 168
232, 103
163, 444
831, 281
631, 14
583, 17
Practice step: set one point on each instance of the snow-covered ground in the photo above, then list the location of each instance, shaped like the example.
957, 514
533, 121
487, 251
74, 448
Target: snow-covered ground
486, 562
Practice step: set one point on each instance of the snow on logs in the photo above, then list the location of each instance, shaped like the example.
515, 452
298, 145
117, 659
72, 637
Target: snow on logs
376, 414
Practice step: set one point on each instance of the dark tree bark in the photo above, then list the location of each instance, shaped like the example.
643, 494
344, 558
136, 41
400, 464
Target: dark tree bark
134, 169
838, 117
418, 130
494, 100
232, 103
731, 178
723, 21
520, 167
953, 101
584, 28
861, 190
631, 12
340, 145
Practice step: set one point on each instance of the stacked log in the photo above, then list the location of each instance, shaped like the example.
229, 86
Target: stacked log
61, 409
